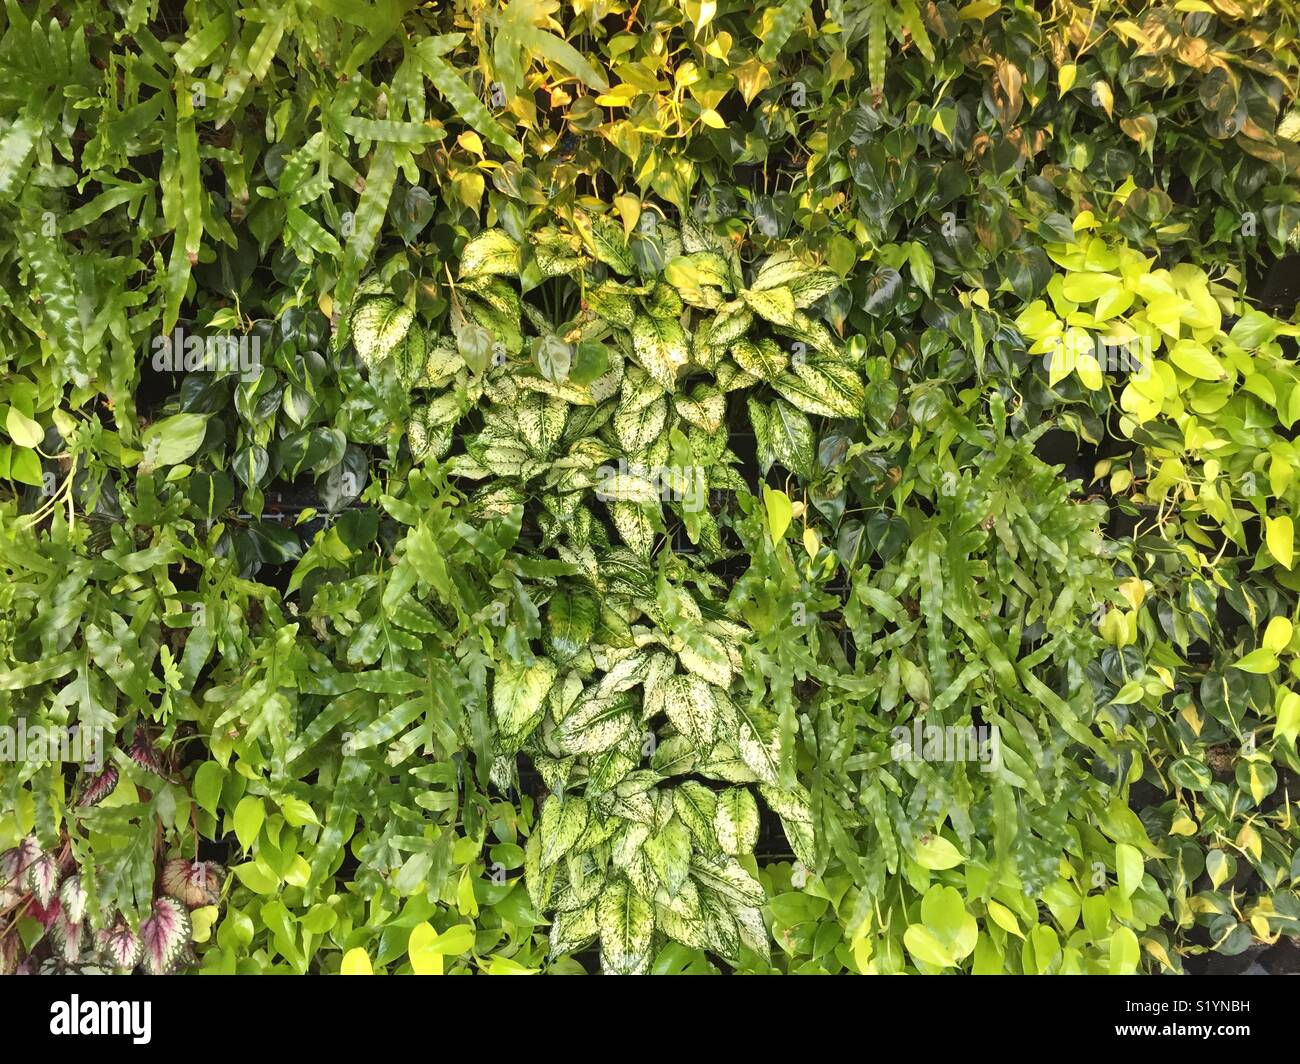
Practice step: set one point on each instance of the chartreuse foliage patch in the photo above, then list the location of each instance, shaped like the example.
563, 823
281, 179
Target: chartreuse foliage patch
648, 487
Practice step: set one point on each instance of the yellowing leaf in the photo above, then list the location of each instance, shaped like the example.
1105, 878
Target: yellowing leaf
1005, 918
356, 962
779, 511
1288, 714
1279, 534
23, 430
937, 853
1277, 635
1196, 360
1128, 868
1257, 661
421, 947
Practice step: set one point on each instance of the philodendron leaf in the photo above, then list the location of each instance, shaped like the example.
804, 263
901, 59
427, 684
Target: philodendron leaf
172, 440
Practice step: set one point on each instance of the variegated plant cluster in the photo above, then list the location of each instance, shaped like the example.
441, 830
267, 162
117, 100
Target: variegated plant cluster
656, 408
62, 903
625, 404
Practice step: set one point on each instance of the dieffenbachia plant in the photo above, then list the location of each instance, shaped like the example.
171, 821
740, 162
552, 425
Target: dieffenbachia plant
625, 403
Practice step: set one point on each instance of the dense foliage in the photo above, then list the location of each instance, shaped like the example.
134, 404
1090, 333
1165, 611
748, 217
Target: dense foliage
648, 486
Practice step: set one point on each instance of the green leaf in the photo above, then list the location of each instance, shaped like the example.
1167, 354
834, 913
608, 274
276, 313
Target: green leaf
23, 430
777, 27
1128, 865
371, 211
1280, 537
937, 853
1257, 661
452, 86
250, 814
172, 440
779, 511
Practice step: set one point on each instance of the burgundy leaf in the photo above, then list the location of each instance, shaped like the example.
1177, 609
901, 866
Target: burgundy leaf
143, 753
164, 935
68, 938
73, 897
15, 861
100, 787
46, 914
43, 878
193, 882
8, 951
120, 945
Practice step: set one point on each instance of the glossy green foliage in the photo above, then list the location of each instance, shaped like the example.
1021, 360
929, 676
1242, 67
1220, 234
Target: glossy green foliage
647, 487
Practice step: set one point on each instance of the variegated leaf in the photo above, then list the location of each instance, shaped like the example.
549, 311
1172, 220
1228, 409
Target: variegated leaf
613, 302
794, 807
120, 947
573, 930
492, 252
669, 853
164, 935
605, 240
773, 304
720, 925
72, 900
42, 878
763, 358
378, 326
660, 347
16, 860
571, 622
689, 704
196, 883
563, 821
626, 922
735, 821
726, 876
706, 657
634, 527
697, 807
596, 724
638, 426
517, 695
825, 388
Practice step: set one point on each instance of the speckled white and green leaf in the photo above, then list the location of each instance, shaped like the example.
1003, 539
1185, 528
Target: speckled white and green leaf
626, 922
735, 821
